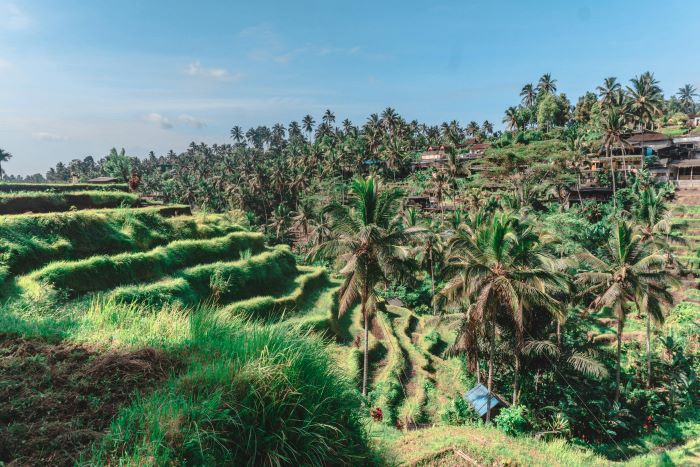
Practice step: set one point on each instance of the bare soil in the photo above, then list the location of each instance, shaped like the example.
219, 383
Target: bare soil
56, 399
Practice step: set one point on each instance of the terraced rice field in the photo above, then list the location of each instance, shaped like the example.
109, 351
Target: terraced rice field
104, 310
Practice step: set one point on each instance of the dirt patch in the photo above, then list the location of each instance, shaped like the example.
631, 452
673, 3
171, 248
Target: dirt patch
56, 399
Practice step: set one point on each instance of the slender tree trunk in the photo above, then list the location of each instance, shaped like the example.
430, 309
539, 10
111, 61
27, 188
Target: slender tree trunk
648, 336
432, 272
619, 354
516, 378
365, 358
580, 199
612, 174
559, 334
489, 384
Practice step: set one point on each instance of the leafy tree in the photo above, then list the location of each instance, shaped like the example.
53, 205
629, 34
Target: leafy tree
4, 157
528, 95
118, 165
546, 84
625, 272
686, 96
370, 244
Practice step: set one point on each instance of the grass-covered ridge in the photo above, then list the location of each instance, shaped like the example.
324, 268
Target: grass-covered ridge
219, 282
29, 241
105, 272
38, 201
61, 187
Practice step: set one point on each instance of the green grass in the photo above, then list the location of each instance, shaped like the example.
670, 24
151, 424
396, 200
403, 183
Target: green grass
106, 272
309, 280
245, 394
388, 391
220, 282
61, 187
31, 241
32, 201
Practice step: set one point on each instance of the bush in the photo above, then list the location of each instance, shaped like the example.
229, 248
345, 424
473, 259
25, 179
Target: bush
271, 396
60, 187
457, 411
512, 420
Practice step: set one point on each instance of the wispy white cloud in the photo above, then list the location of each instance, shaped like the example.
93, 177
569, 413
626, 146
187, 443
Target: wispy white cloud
194, 122
167, 123
5, 65
158, 119
196, 69
12, 18
47, 136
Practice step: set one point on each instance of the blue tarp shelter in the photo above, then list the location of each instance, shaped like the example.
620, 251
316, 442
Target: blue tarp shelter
477, 398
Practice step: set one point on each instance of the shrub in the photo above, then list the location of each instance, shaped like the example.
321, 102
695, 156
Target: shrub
512, 420
457, 411
271, 396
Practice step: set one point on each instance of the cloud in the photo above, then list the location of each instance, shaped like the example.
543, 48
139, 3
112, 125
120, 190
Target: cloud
46, 136
5, 65
12, 18
158, 119
191, 121
196, 69
166, 123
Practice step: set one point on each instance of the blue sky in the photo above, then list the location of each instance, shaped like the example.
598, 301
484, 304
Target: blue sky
79, 77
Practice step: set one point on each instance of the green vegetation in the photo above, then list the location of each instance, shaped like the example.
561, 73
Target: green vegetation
38, 201
61, 187
327, 318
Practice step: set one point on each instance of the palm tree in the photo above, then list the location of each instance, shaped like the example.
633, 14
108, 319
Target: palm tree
625, 273
607, 91
4, 157
369, 242
237, 134
473, 129
546, 84
613, 126
328, 117
656, 231
528, 95
487, 127
685, 97
645, 99
308, 124
511, 119
499, 269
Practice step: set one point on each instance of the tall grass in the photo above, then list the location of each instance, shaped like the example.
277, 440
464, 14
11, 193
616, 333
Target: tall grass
106, 272
31, 201
221, 282
267, 306
30, 241
61, 187
271, 396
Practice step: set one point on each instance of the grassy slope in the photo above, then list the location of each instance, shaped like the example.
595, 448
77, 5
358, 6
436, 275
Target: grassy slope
31, 201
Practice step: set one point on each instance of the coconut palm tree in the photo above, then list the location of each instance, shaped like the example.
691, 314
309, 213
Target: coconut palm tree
328, 117
528, 95
487, 127
307, 124
4, 157
546, 84
237, 134
656, 232
626, 272
607, 91
370, 244
499, 270
473, 129
645, 99
511, 119
685, 97
613, 123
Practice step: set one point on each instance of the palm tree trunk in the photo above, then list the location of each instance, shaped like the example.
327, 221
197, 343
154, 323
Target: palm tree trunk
612, 174
648, 337
365, 358
559, 334
619, 353
489, 383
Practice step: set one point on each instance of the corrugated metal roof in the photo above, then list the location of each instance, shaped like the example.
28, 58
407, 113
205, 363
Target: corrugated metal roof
478, 399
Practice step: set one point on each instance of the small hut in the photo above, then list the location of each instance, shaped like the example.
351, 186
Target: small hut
479, 400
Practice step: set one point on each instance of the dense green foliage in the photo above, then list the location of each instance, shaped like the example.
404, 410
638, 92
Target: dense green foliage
39, 201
